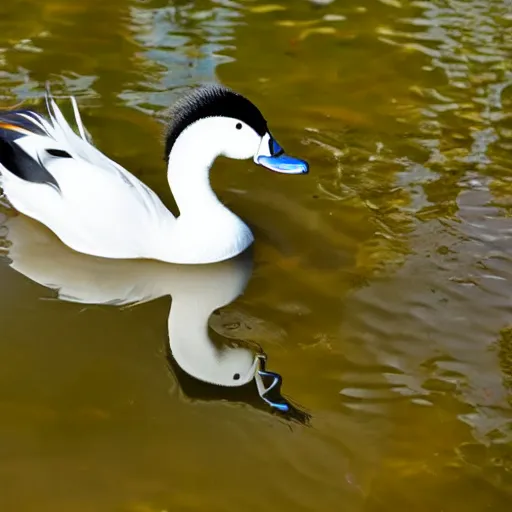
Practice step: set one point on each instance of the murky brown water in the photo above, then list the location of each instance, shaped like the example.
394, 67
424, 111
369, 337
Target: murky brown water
380, 287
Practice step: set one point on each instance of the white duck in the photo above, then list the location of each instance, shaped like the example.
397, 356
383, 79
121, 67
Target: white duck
196, 292
96, 207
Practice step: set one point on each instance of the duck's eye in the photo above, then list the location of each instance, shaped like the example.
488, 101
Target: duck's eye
238, 127
237, 375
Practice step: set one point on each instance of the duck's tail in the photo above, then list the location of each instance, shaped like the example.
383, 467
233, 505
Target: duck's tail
23, 135
26, 135
15, 123
18, 123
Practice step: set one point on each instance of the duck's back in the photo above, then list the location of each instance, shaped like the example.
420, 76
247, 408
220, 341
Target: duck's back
60, 179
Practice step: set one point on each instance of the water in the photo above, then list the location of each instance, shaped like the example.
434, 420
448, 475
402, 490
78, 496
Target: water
379, 287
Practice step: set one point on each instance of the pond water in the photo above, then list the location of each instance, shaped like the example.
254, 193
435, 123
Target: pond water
379, 287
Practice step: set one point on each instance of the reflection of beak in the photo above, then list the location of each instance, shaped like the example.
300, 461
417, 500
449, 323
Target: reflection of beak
272, 156
275, 384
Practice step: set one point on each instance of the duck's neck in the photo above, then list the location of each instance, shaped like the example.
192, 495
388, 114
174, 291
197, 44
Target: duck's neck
205, 231
188, 173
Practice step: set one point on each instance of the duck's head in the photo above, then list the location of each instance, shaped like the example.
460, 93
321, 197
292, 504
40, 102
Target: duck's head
229, 124
232, 367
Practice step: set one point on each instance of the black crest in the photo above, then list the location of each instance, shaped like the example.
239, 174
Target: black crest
210, 101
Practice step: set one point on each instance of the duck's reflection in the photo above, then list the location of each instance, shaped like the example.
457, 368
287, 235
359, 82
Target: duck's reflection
204, 369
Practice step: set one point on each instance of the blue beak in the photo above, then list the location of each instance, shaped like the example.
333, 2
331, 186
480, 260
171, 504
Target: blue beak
279, 161
277, 380
270, 394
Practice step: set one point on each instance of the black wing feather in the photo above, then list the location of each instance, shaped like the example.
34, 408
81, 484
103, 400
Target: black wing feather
24, 119
16, 161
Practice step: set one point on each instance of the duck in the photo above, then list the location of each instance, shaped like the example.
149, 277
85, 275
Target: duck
56, 175
196, 292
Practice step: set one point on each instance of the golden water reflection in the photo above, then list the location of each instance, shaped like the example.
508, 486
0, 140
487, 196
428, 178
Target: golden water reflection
380, 287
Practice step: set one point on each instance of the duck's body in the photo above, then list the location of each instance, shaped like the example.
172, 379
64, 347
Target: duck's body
96, 207
102, 210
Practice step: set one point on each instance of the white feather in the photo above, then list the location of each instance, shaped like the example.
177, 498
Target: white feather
78, 119
102, 210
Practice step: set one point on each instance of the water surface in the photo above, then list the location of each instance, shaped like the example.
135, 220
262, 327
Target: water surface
380, 288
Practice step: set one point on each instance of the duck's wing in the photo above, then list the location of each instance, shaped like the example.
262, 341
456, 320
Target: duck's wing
29, 143
19, 123
82, 146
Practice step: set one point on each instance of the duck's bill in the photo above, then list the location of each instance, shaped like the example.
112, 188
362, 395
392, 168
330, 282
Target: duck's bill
269, 388
284, 164
272, 156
